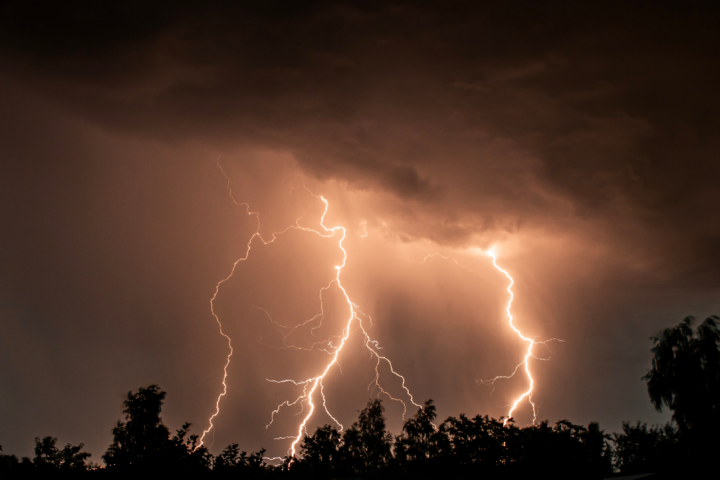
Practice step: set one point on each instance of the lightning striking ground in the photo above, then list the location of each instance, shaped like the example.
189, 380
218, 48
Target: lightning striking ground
530, 341
310, 385
528, 354
370, 344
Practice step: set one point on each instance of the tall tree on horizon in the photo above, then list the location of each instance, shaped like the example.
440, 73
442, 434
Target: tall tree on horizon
321, 452
685, 373
419, 439
143, 437
685, 377
367, 445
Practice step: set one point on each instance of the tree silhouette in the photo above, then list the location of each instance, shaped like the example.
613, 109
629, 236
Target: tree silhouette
48, 456
481, 442
367, 444
459, 447
599, 453
685, 377
321, 453
11, 465
186, 453
420, 440
144, 442
685, 374
639, 449
565, 449
230, 460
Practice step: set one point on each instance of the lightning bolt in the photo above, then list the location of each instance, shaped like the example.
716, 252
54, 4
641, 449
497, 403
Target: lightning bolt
529, 352
310, 385
530, 341
371, 345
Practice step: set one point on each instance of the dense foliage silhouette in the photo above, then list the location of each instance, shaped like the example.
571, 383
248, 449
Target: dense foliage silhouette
639, 449
49, 457
143, 442
685, 377
685, 374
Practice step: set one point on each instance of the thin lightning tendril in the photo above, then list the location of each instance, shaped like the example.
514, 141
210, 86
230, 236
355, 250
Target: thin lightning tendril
217, 289
333, 350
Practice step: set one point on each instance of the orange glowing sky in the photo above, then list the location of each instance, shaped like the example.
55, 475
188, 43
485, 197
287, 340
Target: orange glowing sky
576, 143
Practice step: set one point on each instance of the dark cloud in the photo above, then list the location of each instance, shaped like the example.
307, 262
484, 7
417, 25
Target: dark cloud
614, 105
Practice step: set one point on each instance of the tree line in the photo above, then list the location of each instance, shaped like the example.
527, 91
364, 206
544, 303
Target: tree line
685, 377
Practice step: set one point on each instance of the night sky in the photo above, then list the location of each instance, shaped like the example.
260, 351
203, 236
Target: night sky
578, 140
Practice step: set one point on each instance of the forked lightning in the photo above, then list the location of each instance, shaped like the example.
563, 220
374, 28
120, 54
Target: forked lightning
310, 385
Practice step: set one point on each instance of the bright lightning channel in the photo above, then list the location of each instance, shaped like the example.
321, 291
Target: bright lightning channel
334, 350
528, 354
530, 342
